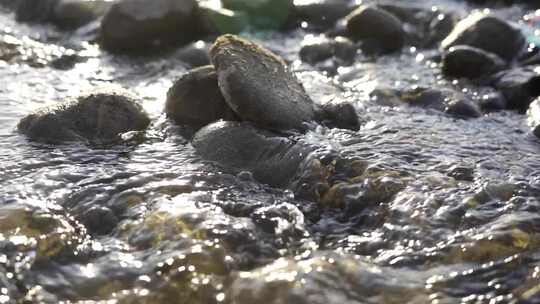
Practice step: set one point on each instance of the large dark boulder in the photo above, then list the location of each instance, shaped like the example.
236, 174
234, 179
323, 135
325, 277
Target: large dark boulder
258, 85
96, 118
133, 25
469, 62
379, 30
195, 99
487, 33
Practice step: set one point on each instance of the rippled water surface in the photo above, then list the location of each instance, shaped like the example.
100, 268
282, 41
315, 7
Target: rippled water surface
153, 223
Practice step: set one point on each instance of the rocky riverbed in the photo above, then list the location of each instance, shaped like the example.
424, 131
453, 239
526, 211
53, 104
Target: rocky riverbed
272, 152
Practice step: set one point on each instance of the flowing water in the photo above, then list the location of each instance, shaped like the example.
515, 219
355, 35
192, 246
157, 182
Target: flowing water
151, 222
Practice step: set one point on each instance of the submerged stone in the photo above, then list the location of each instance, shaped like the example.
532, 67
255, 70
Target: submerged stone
271, 159
487, 33
307, 170
95, 118
379, 30
99, 220
469, 62
258, 85
460, 172
132, 25
195, 99
443, 100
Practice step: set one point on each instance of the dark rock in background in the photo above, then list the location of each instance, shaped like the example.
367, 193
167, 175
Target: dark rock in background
379, 30
469, 62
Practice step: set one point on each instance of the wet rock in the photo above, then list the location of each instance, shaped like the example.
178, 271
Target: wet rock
492, 101
131, 25
99, 220
222, 21
319, 49
341, 115
426, 98
487, 33
324, 13
362, 192
66, 14
316, 51
415, 21
379, 30
281, 220
195, 54
325, 279
66, 61
440, 27
267, 14
95, 118
9, 48
462, 173
443, 100
493, 191
47, 235
270, 158
195, 99
534, 117
386, 97
76, 13
258, 86
519, 86
470, 62
463, 107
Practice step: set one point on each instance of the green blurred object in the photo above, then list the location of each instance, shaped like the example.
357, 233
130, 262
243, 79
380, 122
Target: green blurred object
223, 21
532, 30
264, 14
